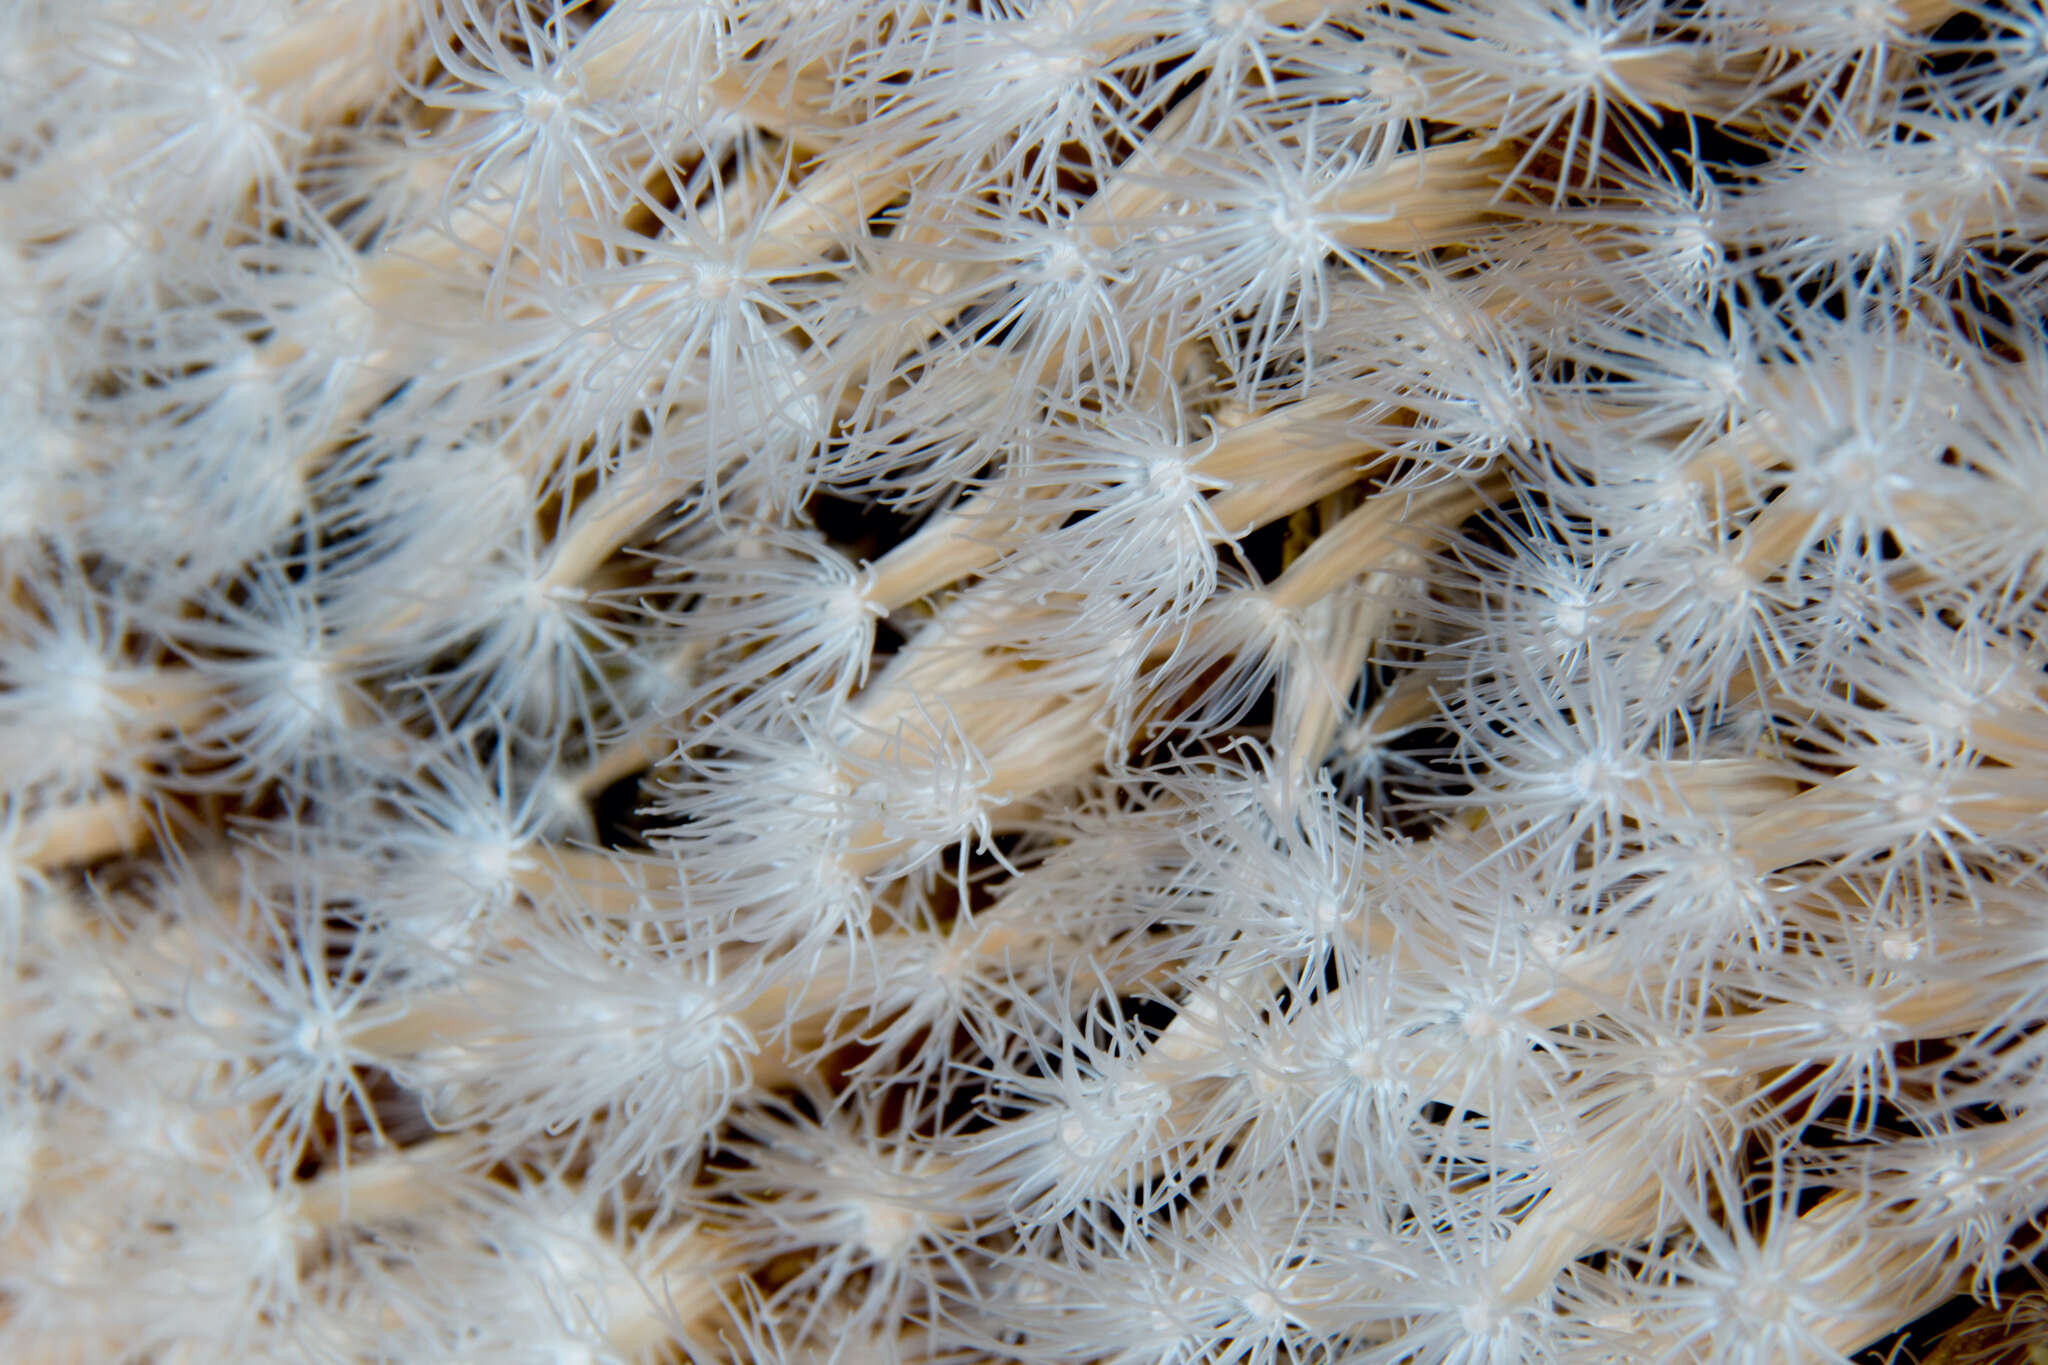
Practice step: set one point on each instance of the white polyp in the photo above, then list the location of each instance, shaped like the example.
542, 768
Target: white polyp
885, 1228
1296, 222
1396, 87
1899, 945
1603, 778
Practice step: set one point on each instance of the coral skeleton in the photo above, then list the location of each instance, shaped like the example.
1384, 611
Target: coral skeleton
1072, 682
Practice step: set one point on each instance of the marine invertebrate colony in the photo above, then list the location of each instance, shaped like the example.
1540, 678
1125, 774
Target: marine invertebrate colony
1231, 681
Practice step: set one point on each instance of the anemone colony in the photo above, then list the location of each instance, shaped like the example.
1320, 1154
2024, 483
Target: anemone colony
1212, 682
